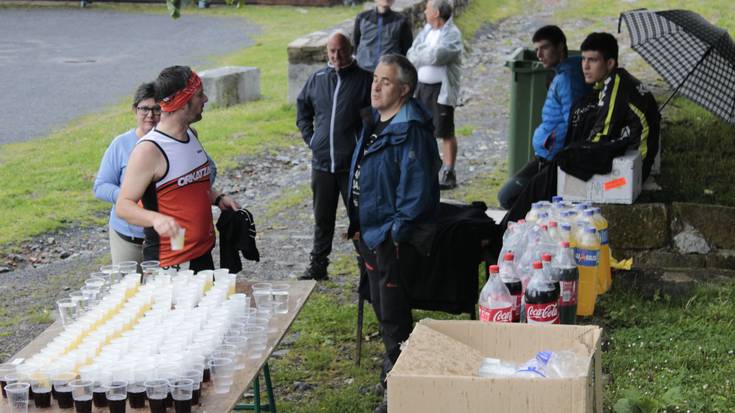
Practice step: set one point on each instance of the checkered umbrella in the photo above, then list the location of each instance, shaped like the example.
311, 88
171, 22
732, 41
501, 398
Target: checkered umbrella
696, 58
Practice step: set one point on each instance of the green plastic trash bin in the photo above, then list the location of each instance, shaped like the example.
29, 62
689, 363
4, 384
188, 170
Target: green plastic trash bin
527, 95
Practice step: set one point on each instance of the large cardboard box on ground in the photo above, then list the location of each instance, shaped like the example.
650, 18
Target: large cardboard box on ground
621, 186
437, 370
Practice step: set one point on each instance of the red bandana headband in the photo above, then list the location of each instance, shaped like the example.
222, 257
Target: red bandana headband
180, 98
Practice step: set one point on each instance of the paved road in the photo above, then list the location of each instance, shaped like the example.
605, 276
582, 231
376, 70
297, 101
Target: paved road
58, 64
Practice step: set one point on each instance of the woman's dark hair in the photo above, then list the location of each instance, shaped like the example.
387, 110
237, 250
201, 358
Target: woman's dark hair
605, 43
144, 91
553, 34
171, 80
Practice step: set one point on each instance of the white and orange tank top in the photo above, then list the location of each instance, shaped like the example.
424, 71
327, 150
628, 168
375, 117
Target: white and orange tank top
183, 193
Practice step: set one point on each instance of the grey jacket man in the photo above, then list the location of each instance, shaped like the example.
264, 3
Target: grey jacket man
448, 52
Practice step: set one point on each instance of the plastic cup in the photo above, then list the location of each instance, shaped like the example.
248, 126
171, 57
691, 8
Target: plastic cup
6, 369
182, 393
18, 396
177, 241
128, 267
62, 389
222, 371
280, 298
149, 270
82, 391
117, 393
156, 391
41, 387
67, 310
112, 271
262, 295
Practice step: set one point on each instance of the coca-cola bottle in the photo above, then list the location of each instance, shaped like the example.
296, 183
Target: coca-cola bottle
542, 298
513, 283
496, 303
564, 268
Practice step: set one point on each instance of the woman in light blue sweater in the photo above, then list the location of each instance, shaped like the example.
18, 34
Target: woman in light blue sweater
126, 241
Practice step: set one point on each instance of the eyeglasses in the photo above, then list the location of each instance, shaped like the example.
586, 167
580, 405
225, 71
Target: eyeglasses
145, 110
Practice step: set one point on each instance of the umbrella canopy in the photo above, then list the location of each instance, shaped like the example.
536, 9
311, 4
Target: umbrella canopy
695, 57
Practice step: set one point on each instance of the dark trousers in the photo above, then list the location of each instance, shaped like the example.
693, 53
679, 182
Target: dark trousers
326, 189
541, 186
203, 262
389, 298
509, 192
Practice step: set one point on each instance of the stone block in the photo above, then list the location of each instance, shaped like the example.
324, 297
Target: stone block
637, 226
724, 259
297, 76
231, 85
662, 259
714, 222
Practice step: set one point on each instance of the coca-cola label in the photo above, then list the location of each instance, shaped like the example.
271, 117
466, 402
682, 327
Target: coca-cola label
586, 258
542, 313
516, 306
496, 315
603, 236
568, 294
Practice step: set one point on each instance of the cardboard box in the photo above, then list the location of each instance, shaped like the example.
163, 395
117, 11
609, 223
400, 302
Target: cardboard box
621, 186
437, 370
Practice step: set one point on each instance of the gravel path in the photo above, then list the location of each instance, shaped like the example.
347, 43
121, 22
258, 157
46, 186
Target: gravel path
39, 275
59, 64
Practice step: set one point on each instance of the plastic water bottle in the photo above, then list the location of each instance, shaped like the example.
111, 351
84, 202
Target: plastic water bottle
565, 270
496, 303
565, 233
553, 230
532, 214
587, 258
513, 284
601, 225
542, 298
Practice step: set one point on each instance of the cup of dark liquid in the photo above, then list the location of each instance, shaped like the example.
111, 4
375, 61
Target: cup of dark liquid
156, 391
6, 369
41, 386
196, 375
181, 391
117, 394
62, 390
81, 391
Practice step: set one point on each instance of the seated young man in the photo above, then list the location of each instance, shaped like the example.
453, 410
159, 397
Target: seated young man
567, 86
619, 114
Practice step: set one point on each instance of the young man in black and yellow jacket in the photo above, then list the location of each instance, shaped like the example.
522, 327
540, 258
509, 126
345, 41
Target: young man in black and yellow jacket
618, 115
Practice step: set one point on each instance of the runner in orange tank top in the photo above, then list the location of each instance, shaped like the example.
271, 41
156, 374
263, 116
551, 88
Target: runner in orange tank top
170, 173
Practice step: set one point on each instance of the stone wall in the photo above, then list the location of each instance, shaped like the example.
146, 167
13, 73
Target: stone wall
676, 235
308, 54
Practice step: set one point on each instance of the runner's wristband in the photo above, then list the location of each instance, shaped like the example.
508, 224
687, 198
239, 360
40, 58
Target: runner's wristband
219, 198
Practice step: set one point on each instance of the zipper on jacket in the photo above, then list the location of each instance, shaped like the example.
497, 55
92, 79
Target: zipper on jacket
331, 122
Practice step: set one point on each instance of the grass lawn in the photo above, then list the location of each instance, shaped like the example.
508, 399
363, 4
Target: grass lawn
46, 186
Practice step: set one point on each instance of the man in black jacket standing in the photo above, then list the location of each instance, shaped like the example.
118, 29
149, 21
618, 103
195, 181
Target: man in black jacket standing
328, 115
381, 31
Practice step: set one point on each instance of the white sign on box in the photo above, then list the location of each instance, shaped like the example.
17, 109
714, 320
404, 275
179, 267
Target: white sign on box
621, 186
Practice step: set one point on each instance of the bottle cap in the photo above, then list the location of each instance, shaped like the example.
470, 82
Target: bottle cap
546, 257
494, 269
553, 224
543, 214
589, 212
544, 227
537, 265
508, 256
590, 230
521, 221
557, 198
567, 226
565, 244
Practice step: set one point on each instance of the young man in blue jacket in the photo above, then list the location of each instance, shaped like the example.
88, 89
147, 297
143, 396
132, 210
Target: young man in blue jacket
394, 196
567, 86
